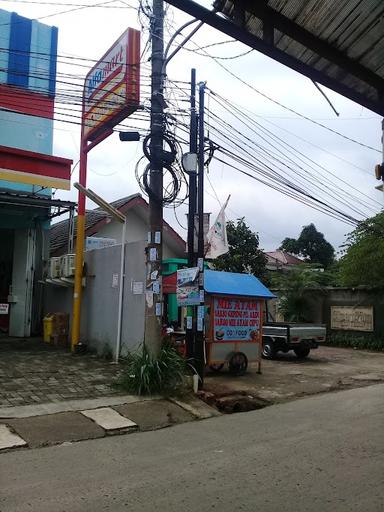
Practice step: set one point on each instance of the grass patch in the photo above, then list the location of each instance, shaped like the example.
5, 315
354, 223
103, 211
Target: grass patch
144, 374
366, 342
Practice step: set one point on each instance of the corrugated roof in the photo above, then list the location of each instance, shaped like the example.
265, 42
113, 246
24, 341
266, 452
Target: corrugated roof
339, 44
232, 283
343, 40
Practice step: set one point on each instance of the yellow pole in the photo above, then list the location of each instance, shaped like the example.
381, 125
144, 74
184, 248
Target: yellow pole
80, 234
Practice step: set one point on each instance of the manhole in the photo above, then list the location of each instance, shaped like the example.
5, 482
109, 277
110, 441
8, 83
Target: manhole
234, 402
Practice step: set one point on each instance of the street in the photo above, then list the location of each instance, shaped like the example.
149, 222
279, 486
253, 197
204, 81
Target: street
323, 453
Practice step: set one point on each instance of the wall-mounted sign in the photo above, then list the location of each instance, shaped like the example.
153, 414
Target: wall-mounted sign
112, 87
4, 309
187, 287
21, 166
350, 318
236, 319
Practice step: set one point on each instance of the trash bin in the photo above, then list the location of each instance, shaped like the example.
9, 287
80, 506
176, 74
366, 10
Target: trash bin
48, 328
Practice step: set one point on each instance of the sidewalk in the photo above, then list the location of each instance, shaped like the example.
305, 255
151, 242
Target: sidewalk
68, 422
50, 396
33, 372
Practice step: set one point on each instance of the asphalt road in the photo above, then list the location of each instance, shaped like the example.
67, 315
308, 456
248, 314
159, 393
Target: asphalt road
324, 453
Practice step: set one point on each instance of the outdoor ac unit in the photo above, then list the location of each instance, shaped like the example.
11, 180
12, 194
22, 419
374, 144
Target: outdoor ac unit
68, 265
54, 269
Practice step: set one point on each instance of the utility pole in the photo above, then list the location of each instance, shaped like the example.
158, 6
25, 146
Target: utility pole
191, 318
199, 343
154, 294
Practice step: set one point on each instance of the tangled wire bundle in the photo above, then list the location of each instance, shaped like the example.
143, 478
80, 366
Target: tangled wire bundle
171, 167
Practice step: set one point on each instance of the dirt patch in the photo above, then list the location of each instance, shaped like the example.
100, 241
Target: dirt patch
327, 369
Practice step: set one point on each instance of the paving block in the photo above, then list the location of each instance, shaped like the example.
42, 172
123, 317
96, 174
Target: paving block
8, 439
109, 419
153, 414
56, 428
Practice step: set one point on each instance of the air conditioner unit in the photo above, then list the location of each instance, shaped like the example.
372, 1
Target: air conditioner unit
68, 265
54, 269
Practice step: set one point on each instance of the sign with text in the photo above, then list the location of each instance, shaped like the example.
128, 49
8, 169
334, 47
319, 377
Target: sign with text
236, 319
112, 87
187, 287
350, 318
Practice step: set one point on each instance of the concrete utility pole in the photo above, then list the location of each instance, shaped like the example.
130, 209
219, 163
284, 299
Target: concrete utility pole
154, 294
200, 340
191, 324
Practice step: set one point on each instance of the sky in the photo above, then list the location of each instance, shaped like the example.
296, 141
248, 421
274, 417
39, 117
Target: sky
87, 32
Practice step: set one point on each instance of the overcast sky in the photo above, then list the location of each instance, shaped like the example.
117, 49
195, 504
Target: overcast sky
89, 32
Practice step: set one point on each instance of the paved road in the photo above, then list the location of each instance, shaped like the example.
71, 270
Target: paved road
318, 454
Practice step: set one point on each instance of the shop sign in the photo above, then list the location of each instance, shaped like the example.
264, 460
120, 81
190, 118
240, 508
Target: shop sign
236, 319
4, 309
351, 318
187, 287
112, 87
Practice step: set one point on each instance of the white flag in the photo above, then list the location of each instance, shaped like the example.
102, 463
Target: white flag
217, 235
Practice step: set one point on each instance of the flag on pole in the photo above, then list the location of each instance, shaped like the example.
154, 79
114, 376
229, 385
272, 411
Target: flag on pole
217, 235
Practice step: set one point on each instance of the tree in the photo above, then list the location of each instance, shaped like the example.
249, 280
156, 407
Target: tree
362, 262
310, 245
293, 287
244, 254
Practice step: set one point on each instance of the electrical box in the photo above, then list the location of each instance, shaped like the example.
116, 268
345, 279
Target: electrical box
67, 265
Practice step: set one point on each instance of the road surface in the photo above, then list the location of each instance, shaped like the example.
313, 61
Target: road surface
324, 453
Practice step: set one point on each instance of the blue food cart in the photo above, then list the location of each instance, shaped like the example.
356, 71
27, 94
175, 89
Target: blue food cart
235, 305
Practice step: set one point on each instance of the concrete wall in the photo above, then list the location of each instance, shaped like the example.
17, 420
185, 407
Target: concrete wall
100, 298
320, 303
137, 229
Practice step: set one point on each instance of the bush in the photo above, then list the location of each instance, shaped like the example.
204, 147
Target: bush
144, 374
348, 340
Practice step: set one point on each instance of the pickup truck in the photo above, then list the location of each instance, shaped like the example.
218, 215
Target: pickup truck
285, 336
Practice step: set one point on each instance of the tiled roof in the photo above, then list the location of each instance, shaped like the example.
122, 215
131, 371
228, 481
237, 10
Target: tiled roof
59, 231
283, 257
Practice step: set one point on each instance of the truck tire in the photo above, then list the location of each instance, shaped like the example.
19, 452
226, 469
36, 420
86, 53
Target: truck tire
302, 352
238, 364
216, 367
269, 351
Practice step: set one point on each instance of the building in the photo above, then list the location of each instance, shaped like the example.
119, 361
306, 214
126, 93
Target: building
99, 224
100, 299
281, 260
28, 170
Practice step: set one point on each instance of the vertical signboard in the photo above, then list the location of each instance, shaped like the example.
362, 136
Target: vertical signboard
112, 87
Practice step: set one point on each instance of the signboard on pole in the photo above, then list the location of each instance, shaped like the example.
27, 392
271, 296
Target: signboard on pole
187, 287
236, 319
112, 87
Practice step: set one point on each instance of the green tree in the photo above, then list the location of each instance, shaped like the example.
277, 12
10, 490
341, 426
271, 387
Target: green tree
310, 245
244, 254
293, 287
362, 261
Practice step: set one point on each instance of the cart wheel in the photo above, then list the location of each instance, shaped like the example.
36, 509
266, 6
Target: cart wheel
238, 364
216, 367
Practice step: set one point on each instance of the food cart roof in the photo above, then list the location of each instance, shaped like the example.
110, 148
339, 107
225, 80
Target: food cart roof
232, 283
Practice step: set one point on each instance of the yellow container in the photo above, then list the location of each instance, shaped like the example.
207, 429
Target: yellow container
48, 327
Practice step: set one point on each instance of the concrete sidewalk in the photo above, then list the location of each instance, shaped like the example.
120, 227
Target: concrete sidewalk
68, 422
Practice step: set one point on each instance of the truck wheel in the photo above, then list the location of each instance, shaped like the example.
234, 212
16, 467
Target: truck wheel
216, 367
238, 364
269, 351
302, 352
